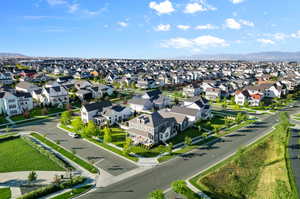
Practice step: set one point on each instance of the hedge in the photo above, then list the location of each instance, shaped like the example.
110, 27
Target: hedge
44, 191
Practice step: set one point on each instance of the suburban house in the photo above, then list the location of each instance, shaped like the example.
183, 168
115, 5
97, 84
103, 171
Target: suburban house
151, 129
243, 97
89, 111
267, 90
191, 90
201, 104
213, 93
26, 87
140, 104
182, 121
56, 95
105, 113
15, 103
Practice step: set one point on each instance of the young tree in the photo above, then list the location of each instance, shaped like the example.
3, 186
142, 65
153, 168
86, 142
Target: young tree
66, 118
188, 141
32, 176
179, 186
77, 125
170, 148
107, 135
91, 129
157, 194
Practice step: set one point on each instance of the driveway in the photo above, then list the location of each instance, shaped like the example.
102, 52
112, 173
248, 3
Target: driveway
101, 158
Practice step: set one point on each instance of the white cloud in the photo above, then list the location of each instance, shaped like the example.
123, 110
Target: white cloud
164, 7
246, 23
183, 27
266, 41
232, 24
206, 27
195, 43
163, 27
198, 6
296, 34
56, 2
237, 1
73, 7
280, 36
122, 24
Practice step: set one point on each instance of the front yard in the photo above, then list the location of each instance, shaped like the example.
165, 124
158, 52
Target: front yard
37, 113
17, 155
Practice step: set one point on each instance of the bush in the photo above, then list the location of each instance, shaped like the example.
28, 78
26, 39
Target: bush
7, 138
53, 188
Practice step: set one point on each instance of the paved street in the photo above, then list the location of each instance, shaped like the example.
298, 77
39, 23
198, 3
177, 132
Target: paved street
102, 159
294, 152
160, 177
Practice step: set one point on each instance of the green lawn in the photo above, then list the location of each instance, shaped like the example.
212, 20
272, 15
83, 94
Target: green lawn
37, 113
144, 152
5, 193
66, 153
258, 171
190, 132
17, 155
74, 192
118, 136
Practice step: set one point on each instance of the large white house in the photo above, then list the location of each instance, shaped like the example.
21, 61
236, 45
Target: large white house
56, 95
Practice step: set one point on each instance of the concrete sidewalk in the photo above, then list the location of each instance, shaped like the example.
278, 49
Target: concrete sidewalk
15, 179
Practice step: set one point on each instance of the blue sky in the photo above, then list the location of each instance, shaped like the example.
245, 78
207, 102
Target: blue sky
148, 28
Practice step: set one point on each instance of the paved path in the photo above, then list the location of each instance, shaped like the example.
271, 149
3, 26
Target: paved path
101, 158
15, 179
15, 192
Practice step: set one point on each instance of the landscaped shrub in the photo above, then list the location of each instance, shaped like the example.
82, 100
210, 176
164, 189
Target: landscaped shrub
7, 138
53, 188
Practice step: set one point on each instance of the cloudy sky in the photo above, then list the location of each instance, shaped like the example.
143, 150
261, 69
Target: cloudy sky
148, 28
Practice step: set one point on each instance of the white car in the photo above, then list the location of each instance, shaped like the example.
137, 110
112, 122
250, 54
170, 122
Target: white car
73, 135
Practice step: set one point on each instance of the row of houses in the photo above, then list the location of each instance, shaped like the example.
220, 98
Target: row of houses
152, 127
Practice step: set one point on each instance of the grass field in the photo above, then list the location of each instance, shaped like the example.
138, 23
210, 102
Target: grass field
258, 172
37, 113
17, 155
5, 193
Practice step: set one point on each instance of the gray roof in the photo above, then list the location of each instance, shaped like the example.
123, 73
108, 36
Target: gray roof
184, 110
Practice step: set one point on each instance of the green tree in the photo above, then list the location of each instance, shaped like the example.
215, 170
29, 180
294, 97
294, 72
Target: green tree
77, 124
66, 118
107, 135
157, 194
32, 176
188, 141
170, 148
179, 186
91, 129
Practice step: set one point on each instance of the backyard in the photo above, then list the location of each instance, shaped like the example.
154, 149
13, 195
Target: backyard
17, 155
260, 171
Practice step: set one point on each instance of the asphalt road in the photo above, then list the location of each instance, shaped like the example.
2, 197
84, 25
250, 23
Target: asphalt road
101, 158
160, 177
294, 154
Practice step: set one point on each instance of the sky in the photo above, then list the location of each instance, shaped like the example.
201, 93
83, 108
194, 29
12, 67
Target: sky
148, 28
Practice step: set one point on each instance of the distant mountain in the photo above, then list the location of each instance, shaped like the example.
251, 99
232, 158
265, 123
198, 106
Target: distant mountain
260, 56
12, 55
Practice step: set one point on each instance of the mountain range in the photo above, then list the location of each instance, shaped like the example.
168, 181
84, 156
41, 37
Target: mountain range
12, 55
260, 56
